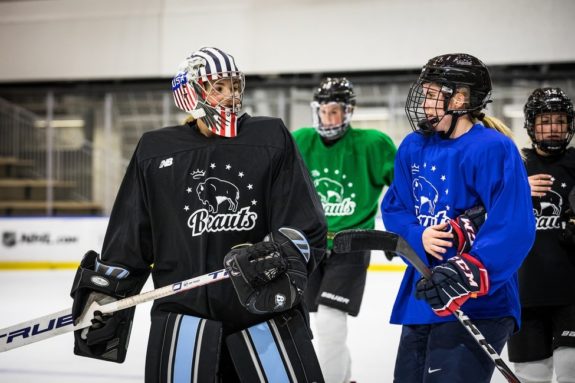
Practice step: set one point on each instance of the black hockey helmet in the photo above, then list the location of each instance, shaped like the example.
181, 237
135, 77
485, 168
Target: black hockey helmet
549, 100
333, 90
452, 72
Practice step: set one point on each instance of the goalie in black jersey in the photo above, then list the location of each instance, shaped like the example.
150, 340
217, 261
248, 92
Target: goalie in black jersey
191, 194
546, 341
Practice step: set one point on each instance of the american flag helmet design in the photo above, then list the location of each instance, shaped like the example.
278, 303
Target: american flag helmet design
189, 89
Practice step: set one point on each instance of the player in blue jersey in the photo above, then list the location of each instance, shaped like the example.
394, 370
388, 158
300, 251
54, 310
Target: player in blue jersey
456, 159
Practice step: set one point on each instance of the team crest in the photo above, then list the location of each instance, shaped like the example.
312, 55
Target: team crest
226, 200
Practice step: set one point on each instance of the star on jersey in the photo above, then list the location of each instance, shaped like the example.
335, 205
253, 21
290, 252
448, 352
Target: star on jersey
213, 200
563, 185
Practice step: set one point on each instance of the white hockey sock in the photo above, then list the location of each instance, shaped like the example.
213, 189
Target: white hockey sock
333, 354
564, 360
539, 371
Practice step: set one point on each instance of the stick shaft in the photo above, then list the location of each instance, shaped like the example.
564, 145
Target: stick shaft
61, 322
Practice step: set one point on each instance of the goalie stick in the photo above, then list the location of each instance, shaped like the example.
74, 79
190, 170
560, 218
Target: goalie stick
61, 322
359, 240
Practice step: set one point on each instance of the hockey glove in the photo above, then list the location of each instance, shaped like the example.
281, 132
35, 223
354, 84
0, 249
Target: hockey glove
271, 275
109, 334
452, 283
465, 228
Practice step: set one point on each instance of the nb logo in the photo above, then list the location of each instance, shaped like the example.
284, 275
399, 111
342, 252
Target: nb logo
167, 162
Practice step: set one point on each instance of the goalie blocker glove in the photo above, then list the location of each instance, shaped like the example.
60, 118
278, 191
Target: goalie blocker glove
108, 337
453, 283
271, 275
465, 227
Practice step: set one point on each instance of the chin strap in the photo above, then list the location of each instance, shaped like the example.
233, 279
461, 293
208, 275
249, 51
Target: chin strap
446, 135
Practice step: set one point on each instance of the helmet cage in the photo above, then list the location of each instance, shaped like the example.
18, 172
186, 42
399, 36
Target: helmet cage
331, 132
197, 82
549, 101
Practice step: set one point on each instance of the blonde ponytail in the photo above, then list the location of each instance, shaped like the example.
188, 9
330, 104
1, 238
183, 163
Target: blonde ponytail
497, 124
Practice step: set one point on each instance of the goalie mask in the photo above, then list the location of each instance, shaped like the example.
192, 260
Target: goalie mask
332, 107
428, 100
210, 86
549, 119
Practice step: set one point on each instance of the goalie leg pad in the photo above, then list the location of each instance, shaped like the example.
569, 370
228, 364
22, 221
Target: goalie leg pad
279, 349
182, 348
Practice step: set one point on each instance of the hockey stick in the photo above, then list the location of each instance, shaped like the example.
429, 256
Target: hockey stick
61, 322
357, 240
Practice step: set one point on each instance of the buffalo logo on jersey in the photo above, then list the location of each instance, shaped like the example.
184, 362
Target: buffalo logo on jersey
214, 202
331, 188
427, 196
548, 209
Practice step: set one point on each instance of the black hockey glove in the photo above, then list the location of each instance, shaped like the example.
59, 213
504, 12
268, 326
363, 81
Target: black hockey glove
452, 283
465, 228
271, 275
109, 334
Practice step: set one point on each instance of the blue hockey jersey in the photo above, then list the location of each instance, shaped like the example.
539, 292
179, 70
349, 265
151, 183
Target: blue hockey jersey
437, 179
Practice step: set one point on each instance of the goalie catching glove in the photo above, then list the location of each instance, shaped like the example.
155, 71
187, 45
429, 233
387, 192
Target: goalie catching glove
271, 275
465, 227
453, 283
108, 336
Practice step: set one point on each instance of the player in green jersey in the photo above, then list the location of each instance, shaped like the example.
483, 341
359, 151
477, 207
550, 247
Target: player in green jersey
349, 168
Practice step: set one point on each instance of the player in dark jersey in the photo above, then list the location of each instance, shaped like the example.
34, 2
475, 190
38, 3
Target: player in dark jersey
453, 161
546, 340
190, 194
349, 167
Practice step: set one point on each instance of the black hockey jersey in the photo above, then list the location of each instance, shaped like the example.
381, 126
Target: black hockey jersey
545, 278
187, 199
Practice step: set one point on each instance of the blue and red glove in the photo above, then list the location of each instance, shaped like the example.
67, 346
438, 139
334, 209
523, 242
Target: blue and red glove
465, 228
453, 283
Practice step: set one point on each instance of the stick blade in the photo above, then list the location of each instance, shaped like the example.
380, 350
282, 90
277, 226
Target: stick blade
347, 241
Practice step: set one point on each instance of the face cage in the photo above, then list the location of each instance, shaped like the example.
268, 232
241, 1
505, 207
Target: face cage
414, 107
333, 132
222, 78
416, 113
550, 146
